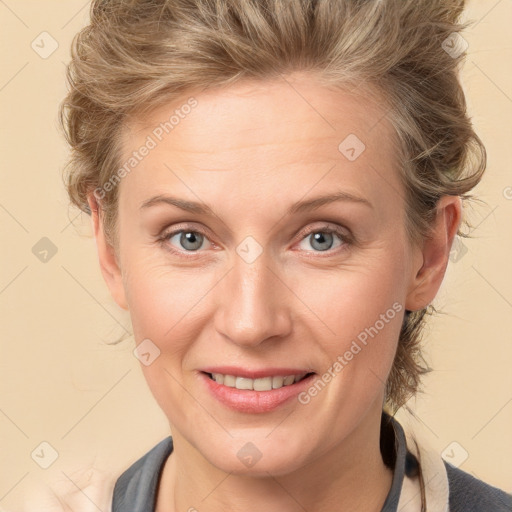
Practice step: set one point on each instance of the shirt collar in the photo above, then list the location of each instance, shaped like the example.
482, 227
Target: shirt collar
136, 489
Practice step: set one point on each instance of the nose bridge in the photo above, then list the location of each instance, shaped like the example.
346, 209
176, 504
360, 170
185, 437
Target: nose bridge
253, 307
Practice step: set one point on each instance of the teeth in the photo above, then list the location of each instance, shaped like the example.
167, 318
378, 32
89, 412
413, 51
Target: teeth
229, 380
289, 379
277, 382
218, 377
261, 384
243, 383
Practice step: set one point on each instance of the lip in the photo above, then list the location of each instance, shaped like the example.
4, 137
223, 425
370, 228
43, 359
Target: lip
250, 401
236, 371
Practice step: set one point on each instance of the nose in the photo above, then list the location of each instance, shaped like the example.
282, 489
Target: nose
254, 303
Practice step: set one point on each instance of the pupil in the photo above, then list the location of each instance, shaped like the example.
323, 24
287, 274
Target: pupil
321, 238
190, 237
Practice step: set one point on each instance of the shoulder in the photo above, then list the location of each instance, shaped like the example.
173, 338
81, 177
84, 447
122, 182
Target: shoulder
86, 489
469, 494
139, 482
446, 487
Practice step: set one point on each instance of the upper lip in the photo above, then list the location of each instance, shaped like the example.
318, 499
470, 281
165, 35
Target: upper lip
237, 371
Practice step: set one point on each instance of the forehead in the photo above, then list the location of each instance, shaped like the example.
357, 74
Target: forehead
266, 108
256, 134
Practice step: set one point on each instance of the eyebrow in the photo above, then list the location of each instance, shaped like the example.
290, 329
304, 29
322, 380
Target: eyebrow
298, 207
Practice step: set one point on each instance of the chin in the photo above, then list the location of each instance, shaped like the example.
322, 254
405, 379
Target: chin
256, 459
263, 468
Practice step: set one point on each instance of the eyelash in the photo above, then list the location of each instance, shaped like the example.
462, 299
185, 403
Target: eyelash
347, 240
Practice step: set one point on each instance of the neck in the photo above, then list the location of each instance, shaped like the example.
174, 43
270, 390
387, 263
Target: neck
351, 476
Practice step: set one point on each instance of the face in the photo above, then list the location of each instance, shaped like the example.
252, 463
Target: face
261, 278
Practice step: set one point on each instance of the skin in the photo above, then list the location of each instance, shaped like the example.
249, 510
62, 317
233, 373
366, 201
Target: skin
250, 151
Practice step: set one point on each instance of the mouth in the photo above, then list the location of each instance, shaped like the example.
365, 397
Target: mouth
262, 392
259, 384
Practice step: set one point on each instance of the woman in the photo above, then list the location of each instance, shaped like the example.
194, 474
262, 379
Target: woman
275, 187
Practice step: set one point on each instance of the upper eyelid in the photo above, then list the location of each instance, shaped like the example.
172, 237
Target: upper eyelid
305, 231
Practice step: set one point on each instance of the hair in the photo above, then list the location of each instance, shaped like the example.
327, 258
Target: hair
136, 55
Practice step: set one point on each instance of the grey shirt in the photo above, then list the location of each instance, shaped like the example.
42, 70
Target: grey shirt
136, 489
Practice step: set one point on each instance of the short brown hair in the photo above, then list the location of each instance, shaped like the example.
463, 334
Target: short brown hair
138, 54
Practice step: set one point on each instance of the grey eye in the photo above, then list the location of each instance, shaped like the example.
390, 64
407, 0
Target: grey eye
189, 240
321, 241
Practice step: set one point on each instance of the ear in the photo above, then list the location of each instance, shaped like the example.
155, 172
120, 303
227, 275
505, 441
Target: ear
107, 258
431, 260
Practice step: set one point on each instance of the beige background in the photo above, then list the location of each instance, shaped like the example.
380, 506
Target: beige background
62, 384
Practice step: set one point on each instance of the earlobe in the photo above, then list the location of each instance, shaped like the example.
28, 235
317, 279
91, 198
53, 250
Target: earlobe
432, 258
106, 255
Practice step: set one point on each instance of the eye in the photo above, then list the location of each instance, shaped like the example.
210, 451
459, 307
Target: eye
184, 240
323, 238
320, 238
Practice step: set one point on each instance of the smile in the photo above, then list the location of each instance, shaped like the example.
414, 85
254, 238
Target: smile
261, 384
256, 394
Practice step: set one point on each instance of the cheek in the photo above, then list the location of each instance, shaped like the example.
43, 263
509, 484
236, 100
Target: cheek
163, 304
359, 312
343, 301
162, 299
347, 300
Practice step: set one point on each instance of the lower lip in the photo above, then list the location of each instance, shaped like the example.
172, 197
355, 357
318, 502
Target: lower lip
250, 401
